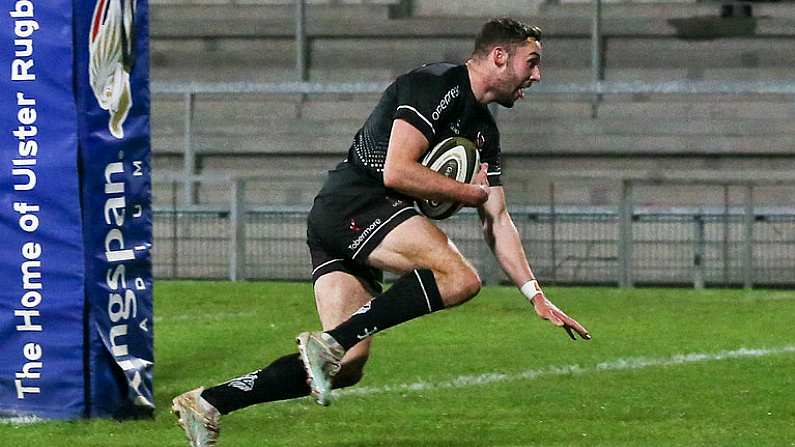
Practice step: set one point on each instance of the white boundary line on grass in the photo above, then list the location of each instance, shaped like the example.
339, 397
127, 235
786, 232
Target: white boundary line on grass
622, 364
21, 420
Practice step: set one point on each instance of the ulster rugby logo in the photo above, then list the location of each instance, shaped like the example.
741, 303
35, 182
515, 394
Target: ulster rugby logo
111, 59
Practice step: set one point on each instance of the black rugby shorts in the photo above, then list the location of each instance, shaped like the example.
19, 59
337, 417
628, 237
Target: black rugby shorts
348, 221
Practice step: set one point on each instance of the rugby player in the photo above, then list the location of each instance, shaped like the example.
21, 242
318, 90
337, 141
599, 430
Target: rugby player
363, 222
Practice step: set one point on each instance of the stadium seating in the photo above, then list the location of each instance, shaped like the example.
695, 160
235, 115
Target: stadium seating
295, 138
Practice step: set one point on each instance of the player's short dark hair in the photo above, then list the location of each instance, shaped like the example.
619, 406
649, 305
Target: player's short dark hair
504, 31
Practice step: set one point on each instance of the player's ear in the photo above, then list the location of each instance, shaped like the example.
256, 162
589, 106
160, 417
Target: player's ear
499, 55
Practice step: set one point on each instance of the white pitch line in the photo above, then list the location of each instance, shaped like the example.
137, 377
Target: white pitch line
622, 364
21, 420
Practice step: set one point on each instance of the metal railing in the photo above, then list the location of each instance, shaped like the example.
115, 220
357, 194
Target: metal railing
743, 245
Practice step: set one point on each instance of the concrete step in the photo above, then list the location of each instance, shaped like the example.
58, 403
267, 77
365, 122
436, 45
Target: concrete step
248, 144
535, 98
338, 53
293, 193
716, 110
525, 125
277, 192
268, 129
252, 73
712, 98
168, 112
171, 113
717, 53
657, 9
228, 55
648, 145
248, 118
166, 163
541, 9
269, 10
692, 73
680, 110
372, 21
272, 165
645, 127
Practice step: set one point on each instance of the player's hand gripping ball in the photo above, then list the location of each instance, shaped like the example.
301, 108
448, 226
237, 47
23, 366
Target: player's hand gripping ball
454, 157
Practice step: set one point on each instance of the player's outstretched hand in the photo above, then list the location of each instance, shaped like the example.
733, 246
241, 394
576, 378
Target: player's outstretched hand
548, 311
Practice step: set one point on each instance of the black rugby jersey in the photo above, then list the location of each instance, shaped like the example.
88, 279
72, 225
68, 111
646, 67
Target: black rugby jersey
437, 99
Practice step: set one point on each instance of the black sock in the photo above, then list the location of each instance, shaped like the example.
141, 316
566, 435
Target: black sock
283, 379
413, 295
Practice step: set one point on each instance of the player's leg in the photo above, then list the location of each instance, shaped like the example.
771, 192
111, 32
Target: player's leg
340, 288
354, 224
434, 276
338, 295
418, 243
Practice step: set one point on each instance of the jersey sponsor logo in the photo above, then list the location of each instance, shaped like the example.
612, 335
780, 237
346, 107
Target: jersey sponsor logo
358, 241
446, 100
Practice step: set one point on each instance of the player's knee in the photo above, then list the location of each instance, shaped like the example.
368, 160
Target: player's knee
471, 284
464, 285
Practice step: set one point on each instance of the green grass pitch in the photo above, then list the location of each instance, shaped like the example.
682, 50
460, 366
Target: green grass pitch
666, 367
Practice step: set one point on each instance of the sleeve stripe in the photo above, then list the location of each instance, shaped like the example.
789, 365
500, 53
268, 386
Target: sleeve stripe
420, 115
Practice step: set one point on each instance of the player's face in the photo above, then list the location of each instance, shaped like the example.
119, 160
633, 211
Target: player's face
522, 69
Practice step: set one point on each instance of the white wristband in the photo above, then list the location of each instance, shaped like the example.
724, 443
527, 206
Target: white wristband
530, 289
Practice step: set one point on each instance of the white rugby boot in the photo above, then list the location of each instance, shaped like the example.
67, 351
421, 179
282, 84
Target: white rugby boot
321, 356
199, 419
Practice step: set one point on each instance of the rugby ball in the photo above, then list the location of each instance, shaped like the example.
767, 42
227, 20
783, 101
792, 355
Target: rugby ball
454, 157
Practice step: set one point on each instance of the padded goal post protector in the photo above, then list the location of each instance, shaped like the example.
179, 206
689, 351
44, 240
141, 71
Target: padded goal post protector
76, 334
112, 78
41, 276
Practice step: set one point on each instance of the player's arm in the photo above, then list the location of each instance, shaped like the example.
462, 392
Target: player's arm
503, 239
404, 173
